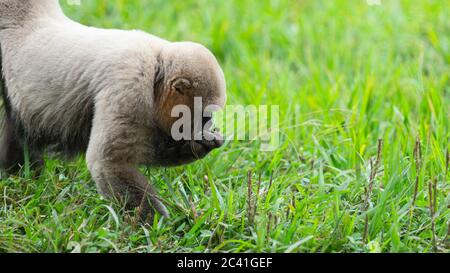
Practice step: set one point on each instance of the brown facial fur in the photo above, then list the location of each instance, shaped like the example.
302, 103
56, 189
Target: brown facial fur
189, 71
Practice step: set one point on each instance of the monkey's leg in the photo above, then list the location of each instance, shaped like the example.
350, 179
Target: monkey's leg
11, 148
12, 153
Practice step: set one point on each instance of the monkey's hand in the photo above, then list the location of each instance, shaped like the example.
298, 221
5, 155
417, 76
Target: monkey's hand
187, 151
210, 140
127, 185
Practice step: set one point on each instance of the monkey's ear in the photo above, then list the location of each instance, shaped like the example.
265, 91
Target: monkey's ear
181, 85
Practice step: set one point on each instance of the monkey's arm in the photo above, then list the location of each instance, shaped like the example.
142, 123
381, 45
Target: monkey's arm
112, 166
118, 142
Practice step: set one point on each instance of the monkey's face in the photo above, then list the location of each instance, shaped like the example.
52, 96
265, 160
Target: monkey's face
181, 147
192, 89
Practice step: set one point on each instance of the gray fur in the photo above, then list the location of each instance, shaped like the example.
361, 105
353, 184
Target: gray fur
108, 93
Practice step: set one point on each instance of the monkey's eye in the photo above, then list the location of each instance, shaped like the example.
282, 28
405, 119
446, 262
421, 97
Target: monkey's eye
179, 90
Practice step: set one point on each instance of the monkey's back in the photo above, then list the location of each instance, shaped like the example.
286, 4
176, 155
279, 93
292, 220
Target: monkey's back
54, 72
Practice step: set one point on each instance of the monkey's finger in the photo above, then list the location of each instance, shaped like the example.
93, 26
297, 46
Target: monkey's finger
160, 207
212, 139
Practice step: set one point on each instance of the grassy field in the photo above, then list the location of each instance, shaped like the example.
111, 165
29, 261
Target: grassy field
363, 163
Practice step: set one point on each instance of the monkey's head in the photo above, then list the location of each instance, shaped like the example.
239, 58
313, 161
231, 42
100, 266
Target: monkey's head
188, 74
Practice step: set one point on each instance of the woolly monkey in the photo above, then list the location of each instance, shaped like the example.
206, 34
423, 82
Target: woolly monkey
109, 93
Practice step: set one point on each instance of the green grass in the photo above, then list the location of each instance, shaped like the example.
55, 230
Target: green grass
345, 75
